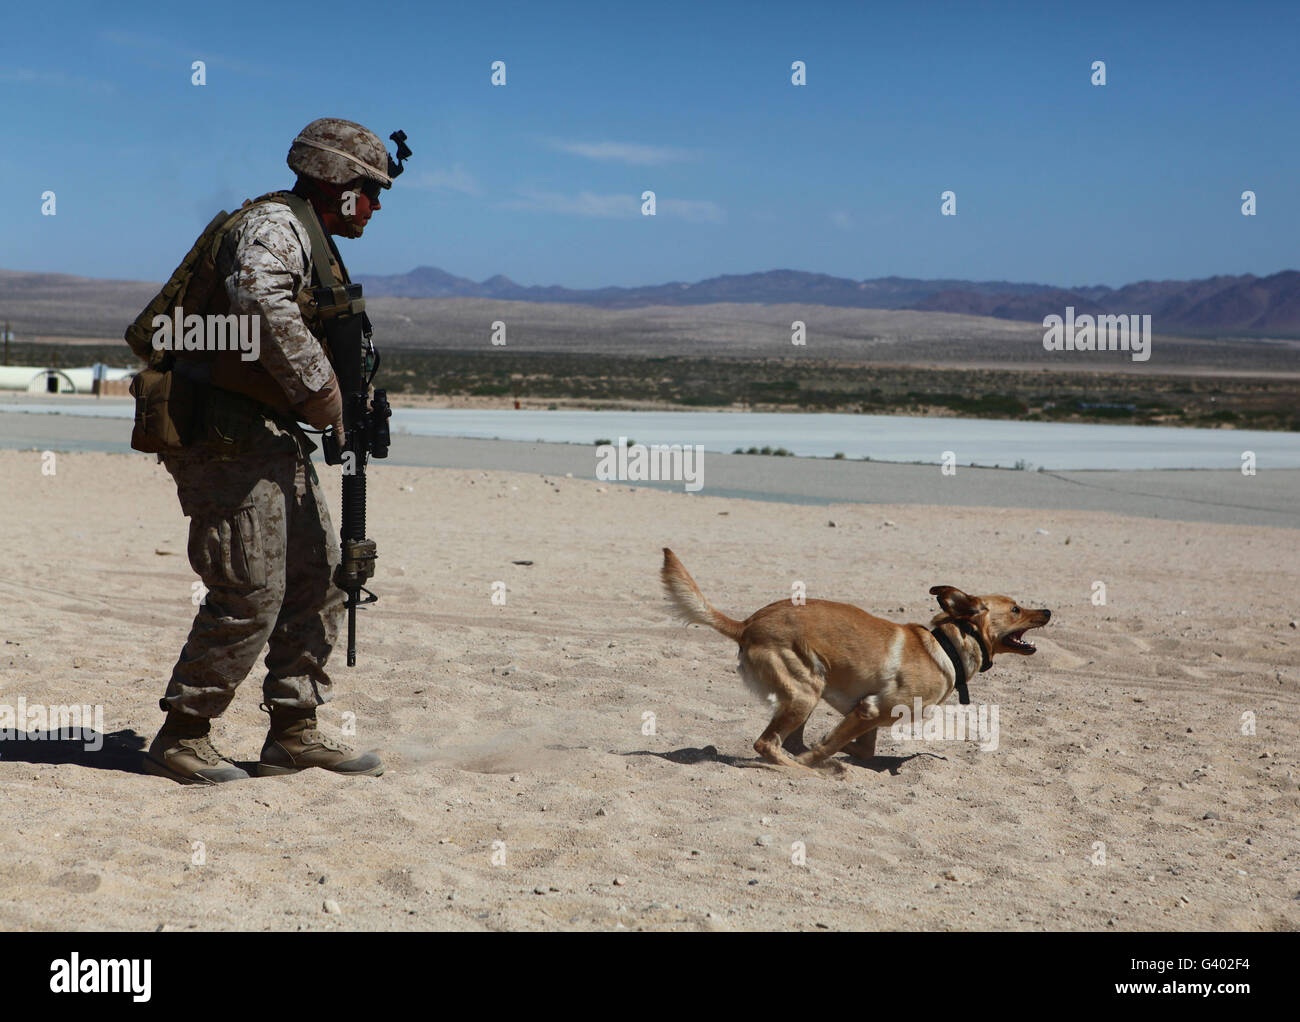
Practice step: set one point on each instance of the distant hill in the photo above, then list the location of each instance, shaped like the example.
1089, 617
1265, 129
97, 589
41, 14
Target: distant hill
63, 305
1245, 305
769, 288
892, 320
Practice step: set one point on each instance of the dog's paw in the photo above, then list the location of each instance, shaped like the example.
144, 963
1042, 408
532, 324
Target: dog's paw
823, 766
862, 749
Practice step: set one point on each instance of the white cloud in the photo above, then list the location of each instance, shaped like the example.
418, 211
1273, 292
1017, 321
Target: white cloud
842, 220
582, 204
455, 179
615, 206
696, 210
58, 79
155, 46
624, 152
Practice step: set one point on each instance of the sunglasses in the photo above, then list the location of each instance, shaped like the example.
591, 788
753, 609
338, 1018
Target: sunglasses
370, 189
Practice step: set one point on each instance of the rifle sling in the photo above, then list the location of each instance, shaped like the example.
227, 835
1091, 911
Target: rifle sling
323, 256
335, 296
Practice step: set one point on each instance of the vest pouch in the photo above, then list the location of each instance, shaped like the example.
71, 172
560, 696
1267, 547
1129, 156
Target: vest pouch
233, 423
164, 411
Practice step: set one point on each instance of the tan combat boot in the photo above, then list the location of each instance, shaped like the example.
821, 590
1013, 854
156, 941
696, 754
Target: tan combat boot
183, 751
295, 743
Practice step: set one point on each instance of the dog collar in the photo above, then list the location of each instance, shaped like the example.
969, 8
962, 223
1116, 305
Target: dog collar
958, 663
986, 655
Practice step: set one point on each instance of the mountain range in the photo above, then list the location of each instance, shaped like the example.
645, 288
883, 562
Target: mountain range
1242, 305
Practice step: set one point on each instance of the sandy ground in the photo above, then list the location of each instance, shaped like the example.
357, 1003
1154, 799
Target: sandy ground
516, 731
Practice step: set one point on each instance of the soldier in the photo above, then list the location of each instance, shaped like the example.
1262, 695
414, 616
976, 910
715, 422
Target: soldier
260, 535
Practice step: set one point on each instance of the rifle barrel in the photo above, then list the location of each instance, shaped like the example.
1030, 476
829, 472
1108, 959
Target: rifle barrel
352, 628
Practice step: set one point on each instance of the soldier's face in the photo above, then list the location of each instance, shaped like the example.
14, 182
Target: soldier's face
355, 208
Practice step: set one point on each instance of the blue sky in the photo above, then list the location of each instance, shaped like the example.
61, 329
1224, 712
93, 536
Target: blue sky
1057, 181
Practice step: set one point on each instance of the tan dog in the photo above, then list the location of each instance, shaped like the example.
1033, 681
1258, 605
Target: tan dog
861, 665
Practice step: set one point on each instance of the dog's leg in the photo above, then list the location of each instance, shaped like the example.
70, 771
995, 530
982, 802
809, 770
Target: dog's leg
864, 747
796, 692
863, 718
794, 742
769, 744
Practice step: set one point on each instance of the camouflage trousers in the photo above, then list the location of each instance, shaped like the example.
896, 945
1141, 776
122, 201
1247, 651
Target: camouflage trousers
261, 541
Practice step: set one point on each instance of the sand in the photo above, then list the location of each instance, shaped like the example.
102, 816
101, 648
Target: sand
523, 792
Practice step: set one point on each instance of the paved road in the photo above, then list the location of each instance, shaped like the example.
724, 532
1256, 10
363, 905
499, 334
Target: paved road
1269, 498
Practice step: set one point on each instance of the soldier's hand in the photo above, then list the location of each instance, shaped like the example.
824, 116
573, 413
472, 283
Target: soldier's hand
325, 407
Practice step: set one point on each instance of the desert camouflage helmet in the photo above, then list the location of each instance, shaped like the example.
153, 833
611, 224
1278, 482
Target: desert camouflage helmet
338, 151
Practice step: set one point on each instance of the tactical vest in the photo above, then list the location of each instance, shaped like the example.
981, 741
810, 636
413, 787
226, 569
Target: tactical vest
196, 287
185, 396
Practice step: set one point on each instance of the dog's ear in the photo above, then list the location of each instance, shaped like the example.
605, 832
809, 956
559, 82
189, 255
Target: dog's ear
957, 603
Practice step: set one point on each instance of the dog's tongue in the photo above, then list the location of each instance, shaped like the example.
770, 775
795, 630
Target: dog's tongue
1016, 640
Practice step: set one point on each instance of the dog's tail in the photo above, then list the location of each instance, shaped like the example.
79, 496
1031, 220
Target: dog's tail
690, 602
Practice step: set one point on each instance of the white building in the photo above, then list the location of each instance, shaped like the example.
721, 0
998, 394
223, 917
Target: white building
52, 380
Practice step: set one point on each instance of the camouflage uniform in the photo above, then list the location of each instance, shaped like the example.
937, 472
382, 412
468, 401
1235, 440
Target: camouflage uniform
260, 536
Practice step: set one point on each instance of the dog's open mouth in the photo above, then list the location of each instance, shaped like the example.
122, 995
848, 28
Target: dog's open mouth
1017, 644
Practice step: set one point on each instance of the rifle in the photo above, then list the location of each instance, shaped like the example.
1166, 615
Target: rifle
365, 423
